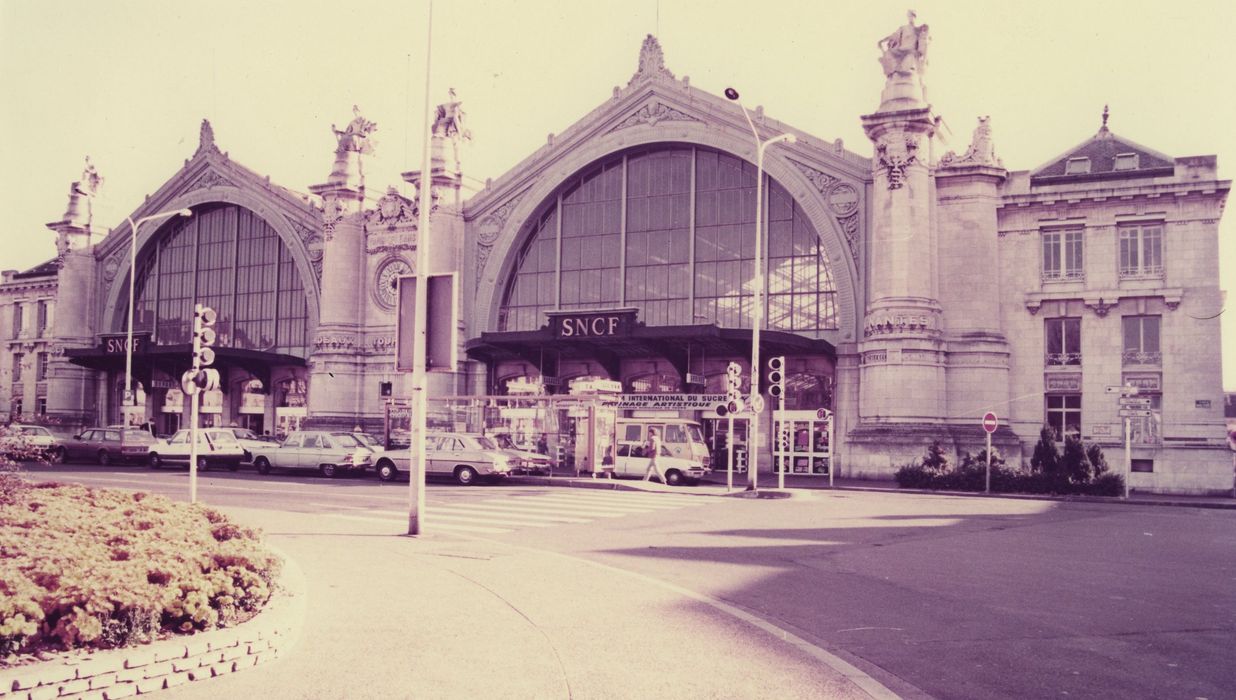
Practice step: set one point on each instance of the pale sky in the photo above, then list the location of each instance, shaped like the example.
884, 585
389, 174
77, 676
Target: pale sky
128, 83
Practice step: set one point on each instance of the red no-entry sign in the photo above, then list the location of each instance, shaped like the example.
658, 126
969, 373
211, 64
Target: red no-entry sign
990, 422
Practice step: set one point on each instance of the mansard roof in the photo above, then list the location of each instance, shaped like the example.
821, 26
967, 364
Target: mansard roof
1100, 153
44, 269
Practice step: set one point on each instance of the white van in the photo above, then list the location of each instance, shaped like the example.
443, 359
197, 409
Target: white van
681, 436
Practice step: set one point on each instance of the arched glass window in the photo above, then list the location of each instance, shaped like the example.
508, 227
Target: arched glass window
670, 230
229, 259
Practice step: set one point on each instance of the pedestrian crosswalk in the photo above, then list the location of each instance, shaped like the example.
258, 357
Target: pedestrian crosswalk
512, 511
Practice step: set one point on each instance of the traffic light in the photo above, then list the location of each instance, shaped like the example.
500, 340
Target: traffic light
776, 377
204, 336
733, 385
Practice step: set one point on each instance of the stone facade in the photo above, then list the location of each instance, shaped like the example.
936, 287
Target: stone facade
949, 276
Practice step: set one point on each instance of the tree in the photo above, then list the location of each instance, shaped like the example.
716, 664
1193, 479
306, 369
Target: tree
1098, 462
1046, 458
1073, 463
935, 460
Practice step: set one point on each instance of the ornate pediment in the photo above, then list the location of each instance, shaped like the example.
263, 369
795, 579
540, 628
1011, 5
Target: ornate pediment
652, 114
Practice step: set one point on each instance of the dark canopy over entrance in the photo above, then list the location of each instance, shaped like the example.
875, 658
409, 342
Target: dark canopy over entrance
676, 344
174, 360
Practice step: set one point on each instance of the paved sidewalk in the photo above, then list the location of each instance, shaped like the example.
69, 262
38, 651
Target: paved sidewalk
449, 617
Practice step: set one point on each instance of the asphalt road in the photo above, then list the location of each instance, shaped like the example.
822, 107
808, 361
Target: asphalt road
934, 596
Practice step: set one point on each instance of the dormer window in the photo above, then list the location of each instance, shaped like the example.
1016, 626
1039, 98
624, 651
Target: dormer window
1077, 166
1125, 161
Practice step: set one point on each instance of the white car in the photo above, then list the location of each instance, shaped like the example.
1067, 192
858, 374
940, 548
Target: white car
251, 442
676, 469
30, 440
215, 447
462, 456
527, 461
326, 451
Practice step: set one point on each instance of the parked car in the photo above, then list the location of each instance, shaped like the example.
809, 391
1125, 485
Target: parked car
369, 440
27, 441
328, 452
103, 445
250, 442
631, 462
215, 447
462, 456
527, 461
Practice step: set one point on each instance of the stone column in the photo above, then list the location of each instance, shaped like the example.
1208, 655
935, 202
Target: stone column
968, 196
71, 389
335, 365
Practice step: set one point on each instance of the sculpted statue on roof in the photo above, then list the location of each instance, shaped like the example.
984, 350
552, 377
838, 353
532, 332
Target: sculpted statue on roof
449, 120
355, 137
905, 50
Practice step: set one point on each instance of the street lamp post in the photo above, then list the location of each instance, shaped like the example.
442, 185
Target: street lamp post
128, 352
757, 312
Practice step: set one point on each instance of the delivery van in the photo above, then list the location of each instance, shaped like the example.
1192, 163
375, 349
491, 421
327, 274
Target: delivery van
681, 436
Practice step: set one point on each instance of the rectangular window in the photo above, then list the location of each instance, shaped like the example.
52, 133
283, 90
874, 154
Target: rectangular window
1148, 430
1062, 255
17, 319
1142, 465
41, 370
1125, 161
40, 406
1063, 341
42, 327
1141, 251
1141, 340
17, 360
1064, 415
15, 407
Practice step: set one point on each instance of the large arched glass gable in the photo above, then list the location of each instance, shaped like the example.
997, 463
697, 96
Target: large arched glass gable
229, 259
670, 230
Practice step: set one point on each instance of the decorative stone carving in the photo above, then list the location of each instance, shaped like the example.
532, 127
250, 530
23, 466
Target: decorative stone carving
894, 153
1100, 306
448, 121
206, 139
111, 267
821, 180
489, 231
653, 113
355, 137
981, 151
651, 63
393, 208
875, 357
332, 214
91, 181
849, 227
210, 178
904, 60
842, 199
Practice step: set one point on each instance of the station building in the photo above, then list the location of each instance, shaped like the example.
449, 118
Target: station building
910, 292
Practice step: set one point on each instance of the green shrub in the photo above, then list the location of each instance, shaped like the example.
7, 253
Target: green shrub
1046, 459
1074, 465
935, 460
1098, 463
105, 568
1107, 484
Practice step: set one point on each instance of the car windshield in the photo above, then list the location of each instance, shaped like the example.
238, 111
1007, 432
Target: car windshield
694, 432
484, 443
346, 440
244, 434
223, 436
367, 440
138, 436
33, 431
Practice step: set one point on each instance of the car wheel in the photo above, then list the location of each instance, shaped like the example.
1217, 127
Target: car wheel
104, 458
263, 465
155, 461
59, 456
673, 477
386, 470
465, 475
328, 470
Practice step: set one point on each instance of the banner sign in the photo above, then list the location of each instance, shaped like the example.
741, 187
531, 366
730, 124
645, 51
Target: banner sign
591, 324
674, 402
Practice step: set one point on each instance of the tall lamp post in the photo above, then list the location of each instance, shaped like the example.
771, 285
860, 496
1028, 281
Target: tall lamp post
128, 352
757, 313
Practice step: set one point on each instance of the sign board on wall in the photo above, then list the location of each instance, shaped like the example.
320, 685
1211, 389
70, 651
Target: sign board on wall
212, 401
252, 403
674, 402
174, 401
584, 325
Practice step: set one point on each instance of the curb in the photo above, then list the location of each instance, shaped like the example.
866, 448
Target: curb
121, 673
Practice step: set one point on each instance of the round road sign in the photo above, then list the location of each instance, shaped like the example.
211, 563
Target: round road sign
990, 422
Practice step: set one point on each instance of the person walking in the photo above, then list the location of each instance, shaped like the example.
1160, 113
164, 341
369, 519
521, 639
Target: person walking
654, 456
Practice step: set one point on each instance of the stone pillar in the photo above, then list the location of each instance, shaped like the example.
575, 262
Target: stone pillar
71, 389
968, 196
335, 365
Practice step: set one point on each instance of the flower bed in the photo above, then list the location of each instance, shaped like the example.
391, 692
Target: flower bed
101, 568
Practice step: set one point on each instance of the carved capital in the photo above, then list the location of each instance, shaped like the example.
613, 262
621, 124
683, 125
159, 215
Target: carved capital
896, 151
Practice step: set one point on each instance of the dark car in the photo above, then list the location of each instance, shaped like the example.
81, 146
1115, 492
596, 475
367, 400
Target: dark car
103, 445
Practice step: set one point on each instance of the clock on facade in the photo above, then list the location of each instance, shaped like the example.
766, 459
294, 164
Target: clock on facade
387, 279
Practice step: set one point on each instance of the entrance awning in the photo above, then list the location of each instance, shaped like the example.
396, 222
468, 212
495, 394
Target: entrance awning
175, 359
673, 343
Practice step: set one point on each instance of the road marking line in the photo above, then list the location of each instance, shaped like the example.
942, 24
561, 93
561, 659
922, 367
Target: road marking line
568, 510
437, 514
618, 502
574, 503
404, 521
516, 512
635, 497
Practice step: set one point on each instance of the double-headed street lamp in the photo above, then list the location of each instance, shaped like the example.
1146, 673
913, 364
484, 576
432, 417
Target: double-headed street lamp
757, 313
129, 398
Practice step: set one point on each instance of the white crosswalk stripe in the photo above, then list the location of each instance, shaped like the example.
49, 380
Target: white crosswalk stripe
515, 512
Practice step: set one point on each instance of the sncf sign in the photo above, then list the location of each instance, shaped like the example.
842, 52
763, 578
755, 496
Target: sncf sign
119, 344
593, 324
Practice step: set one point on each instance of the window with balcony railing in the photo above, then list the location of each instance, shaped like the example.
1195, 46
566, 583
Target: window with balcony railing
1141, 251
1063, 342
1062, 255
1141, 340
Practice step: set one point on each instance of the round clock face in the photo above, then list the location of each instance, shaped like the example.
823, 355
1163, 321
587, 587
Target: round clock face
388, 279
